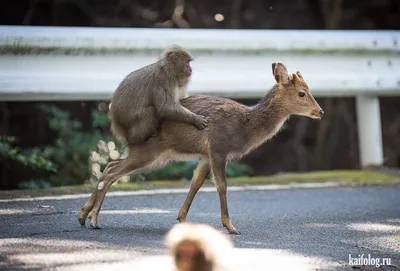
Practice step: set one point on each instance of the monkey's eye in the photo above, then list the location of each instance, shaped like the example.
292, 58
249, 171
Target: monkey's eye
302, 94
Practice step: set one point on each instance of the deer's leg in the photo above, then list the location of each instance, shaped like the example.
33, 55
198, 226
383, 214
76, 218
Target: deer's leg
198, 179
90, 203
133, 164
218, 165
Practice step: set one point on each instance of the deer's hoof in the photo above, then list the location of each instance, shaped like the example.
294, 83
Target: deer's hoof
95, 226
181, 220
82, 222
234, 232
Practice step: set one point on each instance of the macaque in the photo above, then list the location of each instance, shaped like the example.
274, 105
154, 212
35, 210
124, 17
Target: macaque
198, 247
147, 96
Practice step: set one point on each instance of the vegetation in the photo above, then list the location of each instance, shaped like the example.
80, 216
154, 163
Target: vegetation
35, 158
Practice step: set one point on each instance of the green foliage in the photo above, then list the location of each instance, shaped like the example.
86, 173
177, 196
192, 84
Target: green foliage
34, 184
184, 170
72, 146
33, 157
237, 169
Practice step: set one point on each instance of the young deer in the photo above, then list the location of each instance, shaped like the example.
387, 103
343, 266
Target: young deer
234, 130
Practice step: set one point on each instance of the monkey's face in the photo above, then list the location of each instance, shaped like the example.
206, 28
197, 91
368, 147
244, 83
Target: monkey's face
188, 68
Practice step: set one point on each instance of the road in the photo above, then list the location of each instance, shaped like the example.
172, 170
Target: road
315, 227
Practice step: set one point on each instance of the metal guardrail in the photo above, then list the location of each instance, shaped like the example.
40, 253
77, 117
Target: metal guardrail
81, 63
128, 39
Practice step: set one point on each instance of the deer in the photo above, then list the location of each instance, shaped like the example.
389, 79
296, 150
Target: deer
234, 131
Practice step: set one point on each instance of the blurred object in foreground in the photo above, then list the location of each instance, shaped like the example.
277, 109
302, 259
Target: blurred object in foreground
198, 247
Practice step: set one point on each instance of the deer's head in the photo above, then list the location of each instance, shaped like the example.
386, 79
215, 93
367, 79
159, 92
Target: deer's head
293, 94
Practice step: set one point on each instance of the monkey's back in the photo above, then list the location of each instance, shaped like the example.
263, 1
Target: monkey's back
137, 86
134, 93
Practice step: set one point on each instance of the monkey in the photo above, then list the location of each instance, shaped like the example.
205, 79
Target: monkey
198, 247
152, 93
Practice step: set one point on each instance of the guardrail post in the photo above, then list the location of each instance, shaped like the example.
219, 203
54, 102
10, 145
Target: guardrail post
369, 130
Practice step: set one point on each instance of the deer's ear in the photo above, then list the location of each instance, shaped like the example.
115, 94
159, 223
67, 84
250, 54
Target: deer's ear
295, 77
299, 75
280, 73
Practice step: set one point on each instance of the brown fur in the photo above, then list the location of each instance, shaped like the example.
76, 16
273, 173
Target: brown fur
197, 247
148, 95
234, 130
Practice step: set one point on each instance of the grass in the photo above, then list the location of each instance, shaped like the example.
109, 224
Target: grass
342, 177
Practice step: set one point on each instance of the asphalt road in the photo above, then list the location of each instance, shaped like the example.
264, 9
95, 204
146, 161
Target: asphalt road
318, 227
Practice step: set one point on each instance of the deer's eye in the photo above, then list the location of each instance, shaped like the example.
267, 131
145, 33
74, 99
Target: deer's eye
302, 94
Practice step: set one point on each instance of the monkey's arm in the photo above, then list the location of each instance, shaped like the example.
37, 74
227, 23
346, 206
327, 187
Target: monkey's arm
168, 108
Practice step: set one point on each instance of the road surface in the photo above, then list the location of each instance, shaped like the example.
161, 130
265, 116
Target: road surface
317, 228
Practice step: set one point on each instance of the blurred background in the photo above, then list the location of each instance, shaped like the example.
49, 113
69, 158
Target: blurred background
46, 144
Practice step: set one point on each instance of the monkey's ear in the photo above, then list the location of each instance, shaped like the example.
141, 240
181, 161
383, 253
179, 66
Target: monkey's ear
166, 53
280, 73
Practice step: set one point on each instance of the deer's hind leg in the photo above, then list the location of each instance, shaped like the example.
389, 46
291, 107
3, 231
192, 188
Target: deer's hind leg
140, 159
90, 203
198, 179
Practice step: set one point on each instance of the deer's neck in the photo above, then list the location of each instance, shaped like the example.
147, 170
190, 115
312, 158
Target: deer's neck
265, 119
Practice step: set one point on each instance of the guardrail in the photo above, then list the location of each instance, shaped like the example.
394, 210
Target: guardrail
80, 63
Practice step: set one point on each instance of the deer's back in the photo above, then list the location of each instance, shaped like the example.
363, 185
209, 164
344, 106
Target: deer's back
227, 120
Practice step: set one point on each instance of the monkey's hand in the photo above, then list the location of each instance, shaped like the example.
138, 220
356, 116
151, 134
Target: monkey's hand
201, 122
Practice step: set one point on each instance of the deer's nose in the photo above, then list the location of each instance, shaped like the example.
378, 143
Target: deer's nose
321, 113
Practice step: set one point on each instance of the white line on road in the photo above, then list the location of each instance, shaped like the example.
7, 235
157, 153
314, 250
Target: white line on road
180, 191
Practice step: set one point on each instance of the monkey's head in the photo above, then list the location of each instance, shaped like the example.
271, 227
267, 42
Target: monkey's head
197, 247
180, 58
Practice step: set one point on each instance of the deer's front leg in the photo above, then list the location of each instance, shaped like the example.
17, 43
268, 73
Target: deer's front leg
218, 170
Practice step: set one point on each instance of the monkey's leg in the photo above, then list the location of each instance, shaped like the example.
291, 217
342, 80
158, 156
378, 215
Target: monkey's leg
138, 161
218, 165
143, 129
168, 108
89, 204
198, 179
